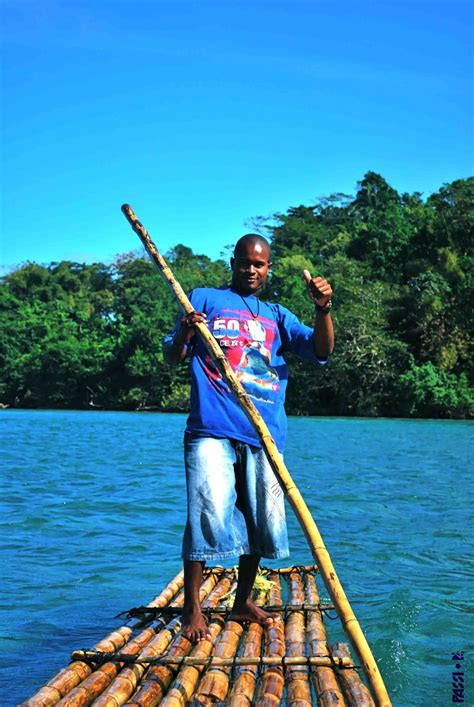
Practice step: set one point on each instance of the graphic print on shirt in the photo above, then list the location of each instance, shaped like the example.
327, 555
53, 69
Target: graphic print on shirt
247, 344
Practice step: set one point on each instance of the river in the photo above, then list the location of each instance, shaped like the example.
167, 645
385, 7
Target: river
93, 510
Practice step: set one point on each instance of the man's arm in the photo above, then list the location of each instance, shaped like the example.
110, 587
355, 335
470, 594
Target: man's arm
320, 292
175, 351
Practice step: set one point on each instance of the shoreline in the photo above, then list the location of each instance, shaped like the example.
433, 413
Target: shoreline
327, 416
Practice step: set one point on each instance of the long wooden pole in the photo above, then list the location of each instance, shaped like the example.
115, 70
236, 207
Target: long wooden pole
294, 497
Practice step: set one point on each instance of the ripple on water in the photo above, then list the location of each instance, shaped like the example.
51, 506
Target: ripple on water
93, 527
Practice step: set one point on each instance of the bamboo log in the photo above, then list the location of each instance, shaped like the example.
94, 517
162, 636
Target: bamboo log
125, 683
297, 684
147, 643
170, 591
272, 681
313, 536
154, 686
70, 677
215, 683
157, 680
94, 685
356, 693
99, 680
182, 689
184, 685
324, 679
243, 687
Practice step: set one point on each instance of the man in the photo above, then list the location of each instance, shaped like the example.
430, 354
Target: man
235, 504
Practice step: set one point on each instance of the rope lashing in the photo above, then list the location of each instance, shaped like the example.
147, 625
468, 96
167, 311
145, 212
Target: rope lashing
99, 657
151, 613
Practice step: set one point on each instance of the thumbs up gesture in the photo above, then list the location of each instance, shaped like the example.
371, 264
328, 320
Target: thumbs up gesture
319, 289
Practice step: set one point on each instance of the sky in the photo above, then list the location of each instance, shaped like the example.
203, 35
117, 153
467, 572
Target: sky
203, 115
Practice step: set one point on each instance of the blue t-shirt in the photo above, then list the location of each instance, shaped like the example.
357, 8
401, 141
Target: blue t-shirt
254, 348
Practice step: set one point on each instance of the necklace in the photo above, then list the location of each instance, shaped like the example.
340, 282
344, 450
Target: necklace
255, 316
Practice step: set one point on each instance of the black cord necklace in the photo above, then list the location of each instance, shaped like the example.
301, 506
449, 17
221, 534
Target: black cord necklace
255, 316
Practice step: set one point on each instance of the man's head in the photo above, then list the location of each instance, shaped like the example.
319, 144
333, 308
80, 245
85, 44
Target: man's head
250, 264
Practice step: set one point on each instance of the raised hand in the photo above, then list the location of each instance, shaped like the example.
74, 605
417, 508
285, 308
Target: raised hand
319, 289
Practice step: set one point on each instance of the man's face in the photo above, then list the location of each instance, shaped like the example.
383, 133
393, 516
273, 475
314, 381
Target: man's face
250, 268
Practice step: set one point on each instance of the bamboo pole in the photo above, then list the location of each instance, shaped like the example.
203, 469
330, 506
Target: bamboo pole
272, 682
70, 677
243, 687
151, 641
324, 680
127, 680
93, 686
157, 680
155, 684
104, 680
215, 682
313, 536
183, 687
356, 693
297, 683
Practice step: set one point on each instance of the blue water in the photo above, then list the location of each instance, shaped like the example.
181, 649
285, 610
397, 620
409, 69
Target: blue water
93, 511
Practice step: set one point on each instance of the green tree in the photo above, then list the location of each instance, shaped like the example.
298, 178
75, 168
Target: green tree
382, 234
76, 335
424, 391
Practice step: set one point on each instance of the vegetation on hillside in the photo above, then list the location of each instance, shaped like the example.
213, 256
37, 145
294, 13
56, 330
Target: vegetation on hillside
81, 336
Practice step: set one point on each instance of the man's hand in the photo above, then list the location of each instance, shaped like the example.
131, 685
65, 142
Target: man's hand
175, 351
187, 329
319, 290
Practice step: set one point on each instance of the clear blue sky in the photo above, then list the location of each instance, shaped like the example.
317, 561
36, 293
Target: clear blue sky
203, 114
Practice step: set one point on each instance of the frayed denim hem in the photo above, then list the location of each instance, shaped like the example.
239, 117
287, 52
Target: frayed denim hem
206, 555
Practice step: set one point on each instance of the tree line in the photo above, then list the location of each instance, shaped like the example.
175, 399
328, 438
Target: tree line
89, 336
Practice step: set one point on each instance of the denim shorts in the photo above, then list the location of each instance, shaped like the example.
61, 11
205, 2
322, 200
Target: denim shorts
235, 503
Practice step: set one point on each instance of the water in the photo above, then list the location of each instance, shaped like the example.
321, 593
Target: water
93, 510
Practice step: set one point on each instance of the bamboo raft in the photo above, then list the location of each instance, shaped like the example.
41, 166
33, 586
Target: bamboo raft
148, 662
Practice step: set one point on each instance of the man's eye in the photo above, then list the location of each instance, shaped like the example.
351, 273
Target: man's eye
247, 264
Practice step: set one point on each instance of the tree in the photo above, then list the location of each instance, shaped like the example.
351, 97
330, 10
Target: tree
381, 232
76, 335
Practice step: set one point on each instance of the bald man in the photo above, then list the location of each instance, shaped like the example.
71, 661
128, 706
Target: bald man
235, 504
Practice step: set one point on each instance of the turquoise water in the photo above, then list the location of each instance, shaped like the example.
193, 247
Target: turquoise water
93, 510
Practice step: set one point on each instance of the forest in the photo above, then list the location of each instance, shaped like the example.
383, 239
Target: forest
88, 336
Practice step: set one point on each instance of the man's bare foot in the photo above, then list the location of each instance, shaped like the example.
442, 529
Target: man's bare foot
251, 612
194, 626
